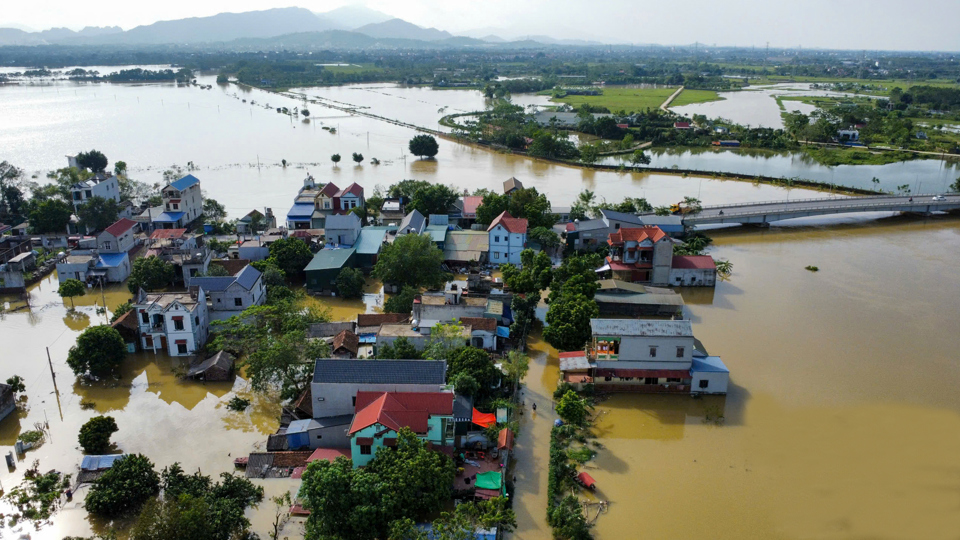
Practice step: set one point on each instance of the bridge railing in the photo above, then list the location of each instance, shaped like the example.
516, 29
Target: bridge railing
880, 206
799, 201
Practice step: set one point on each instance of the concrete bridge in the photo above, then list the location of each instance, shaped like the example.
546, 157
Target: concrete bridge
767, 212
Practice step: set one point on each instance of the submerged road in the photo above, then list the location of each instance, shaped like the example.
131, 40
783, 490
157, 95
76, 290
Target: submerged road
766, 212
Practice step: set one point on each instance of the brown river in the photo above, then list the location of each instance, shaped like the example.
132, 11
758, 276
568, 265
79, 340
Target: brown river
843, 419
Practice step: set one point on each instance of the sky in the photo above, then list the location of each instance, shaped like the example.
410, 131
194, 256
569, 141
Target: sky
877, 25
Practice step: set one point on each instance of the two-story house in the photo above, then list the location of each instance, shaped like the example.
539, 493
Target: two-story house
103, 185
348, 198
173, 322
182, 203
230, 295
641, 255
342, 229
120, 237
413, 223
324, 205
508, 237
379, 417
336, 382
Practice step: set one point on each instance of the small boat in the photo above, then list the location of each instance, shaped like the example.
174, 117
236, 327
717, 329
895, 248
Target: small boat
587, 481
240, 462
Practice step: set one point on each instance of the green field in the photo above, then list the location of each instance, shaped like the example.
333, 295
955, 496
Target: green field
352, 68
638, 99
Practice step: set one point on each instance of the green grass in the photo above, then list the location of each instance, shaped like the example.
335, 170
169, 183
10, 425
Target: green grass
638, 99
855, 156
688, 97
353, 68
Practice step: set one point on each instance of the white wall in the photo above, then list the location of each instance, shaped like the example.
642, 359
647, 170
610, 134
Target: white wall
638, 349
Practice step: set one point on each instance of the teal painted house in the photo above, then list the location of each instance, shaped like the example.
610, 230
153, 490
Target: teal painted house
381, 415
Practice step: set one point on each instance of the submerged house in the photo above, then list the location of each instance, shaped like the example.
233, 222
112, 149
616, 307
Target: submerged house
640, 255
336, 382
175, 322
218, 367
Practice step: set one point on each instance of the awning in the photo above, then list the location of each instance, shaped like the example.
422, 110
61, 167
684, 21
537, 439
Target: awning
364, 441
603, 268
180, 342
168, 217
483, 419
177, 318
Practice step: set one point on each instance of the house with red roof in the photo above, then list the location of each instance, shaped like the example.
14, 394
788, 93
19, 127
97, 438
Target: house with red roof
348, 198
693, 271
380, 416
508, 237
640, 255
120, 237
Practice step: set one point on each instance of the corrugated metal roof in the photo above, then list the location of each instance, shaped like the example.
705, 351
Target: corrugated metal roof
329, 259
644, 328
168, 217
120, 227
248, 277
621, 216
111, 260
370, 240
328, 370
438, 233
642, 299
711, 364
301, 211
467, 241
185, 182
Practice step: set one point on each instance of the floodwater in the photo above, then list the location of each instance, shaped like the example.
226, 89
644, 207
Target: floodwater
842, 419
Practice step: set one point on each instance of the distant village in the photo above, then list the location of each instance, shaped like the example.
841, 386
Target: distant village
410, 369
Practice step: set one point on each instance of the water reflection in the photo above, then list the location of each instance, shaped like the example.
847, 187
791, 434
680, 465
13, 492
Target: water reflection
76, 320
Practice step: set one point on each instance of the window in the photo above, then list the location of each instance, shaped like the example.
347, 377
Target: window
326, 204
496, 238
196, 320
193, 272
673, 380
354, 401
704, 383
145, 318
319, 437
238, 301
88, 193
653, 352
679, 352
178, 324
608, 379
106, 245
365, 449
176, 206
650, 380
181, 348
496, 255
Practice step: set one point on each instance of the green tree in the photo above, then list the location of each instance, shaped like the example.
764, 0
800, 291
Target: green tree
584, 206
98, 352
412, 260
572, 409
724, 269
475, 363
401, 349
185, 518
120, 311
216, 270
639, 157
350, 283
150, 274
401, 302
955, 187
568, 321
285, 362
335, 158
544, 236
589, 153
17, 383
124, 488
50, 216
95, 434
214, 211
465, 385
516, 367
291, 255
424, 146
71, 288
94, 160
568, 521
357, 158
120, 168
98, 213
433, 199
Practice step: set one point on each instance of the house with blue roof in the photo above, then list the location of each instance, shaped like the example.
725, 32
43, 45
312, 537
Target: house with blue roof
229, 295
182, 204
300, 216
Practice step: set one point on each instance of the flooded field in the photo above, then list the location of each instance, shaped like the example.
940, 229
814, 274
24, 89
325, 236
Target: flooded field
841, 421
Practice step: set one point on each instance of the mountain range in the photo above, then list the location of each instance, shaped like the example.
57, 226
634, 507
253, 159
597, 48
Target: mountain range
283, 26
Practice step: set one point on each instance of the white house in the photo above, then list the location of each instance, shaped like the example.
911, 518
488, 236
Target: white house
173, 322
848, 135
87, 265
103, 185
182, 203
508, 237
342, 230
118, 238
232, 294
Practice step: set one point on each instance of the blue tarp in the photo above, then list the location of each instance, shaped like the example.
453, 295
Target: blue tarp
96, 463
368, 338
111, 260
503, 331
168, 217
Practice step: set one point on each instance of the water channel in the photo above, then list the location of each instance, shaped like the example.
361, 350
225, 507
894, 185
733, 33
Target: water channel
843, 420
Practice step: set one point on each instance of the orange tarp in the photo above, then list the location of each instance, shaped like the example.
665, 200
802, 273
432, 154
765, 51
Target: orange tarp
483, 419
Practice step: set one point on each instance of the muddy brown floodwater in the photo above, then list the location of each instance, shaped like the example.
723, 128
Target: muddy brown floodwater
842, 420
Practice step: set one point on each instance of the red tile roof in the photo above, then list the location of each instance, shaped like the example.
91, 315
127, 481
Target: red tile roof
330, 189
681, 124
353, 189
470, 205
510, 223
376, 319
636, 234
480, 323
328, 454
572, 354
167, 233
346, 340
397, 410
120, 227
701, 262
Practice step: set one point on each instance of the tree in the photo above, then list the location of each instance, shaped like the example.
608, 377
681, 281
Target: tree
572, 409
724, 269
335, 158
17, 384
545, 237
292, 255
50, 216
98, 352
184, 518
443, 340
401, 302
281, 503
120, 168
98, 213
433, 199
217, 270
124, 487
150, 273
525, 203
464, 384
568, 521
412, 260
350, 283
213, 210
516, 367
357, 158
95, 434
120, 311
285, 362
424, 145
475, 363
639, 157
71, 288
93, 160
401, 349
583, 206
568, 322
589, 153
955, 187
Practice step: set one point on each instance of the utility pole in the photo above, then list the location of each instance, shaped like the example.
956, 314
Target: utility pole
56, 390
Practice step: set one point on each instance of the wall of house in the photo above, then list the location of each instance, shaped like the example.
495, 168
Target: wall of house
326, 437
194, 332
716, 382
253, 253
505, 247
662, 261
419, 342
488, 340
446, 312
227, 300
108, 243
693, 277
120, 273
331, 399
635, 348
108, 189
67, 271
342, 236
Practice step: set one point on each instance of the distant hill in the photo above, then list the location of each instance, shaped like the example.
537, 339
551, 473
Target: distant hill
14, 36
352, 17
342, 39
401, 29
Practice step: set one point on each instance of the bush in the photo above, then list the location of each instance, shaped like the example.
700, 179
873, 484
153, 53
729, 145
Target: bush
350, 283
124, 487
95, 434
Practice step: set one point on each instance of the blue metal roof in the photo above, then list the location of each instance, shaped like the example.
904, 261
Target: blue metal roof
95, 463
213, 283
710, 364
300, 426
300, 211
111, 260
248, 277
185, 182
168, 217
